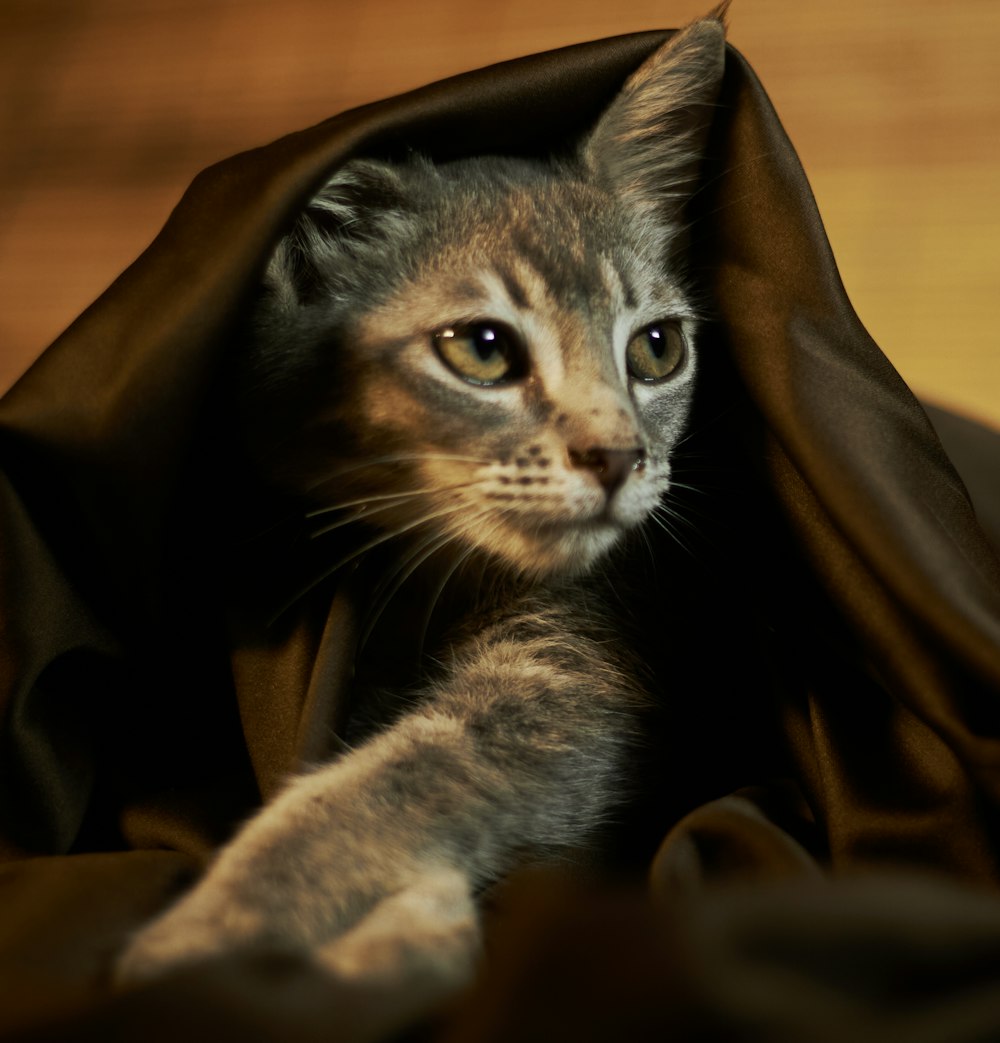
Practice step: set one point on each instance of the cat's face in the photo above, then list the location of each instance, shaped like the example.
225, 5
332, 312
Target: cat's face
519, 382
533, 376
498, 354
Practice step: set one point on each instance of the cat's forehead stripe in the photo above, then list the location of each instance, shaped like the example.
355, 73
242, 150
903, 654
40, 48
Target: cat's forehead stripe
515, 291
573, 282
465, 291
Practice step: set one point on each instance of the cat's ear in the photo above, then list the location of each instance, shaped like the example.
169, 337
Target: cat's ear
648, 145
363, 204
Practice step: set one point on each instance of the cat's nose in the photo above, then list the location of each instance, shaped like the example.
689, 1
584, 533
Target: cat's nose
610, 466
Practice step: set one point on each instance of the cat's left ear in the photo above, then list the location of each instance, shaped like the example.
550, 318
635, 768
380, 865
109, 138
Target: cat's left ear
648, 145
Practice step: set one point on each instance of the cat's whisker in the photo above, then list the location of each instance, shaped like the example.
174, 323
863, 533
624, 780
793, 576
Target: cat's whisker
391, 586
644, 537
689, 508
683, 507
438, 593
364, 501
688, 487
668, 523
380, 497
358, 515
384, 537
683, 517
699, 429
427, 549
399, 531
395, 458
362, 513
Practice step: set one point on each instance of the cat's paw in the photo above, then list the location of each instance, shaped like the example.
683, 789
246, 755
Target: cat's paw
425, 935
179, 938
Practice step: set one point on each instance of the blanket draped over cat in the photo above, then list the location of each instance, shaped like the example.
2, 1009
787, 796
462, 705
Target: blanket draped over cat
815, 853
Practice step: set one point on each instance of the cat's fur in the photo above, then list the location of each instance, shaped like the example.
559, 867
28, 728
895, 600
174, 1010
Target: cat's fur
375, 325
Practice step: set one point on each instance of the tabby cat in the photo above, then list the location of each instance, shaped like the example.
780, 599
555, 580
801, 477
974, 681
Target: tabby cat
498, 355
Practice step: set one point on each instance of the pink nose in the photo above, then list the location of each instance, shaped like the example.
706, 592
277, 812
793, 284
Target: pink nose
610, 466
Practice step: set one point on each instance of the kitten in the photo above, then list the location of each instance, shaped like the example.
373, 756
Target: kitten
498, 356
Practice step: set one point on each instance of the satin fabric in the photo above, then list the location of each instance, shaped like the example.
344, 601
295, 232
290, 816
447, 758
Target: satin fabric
833, 721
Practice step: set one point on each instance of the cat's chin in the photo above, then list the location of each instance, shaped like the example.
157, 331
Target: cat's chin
556, 550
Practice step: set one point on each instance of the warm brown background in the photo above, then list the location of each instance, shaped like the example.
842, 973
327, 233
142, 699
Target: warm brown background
109, 107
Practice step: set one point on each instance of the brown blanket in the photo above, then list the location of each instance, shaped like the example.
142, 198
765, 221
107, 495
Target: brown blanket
827, 784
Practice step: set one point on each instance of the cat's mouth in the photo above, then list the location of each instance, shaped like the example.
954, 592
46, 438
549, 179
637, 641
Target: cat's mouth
541, 521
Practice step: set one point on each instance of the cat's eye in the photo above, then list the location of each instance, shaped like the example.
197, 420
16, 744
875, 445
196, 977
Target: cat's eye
656, 352
480, 352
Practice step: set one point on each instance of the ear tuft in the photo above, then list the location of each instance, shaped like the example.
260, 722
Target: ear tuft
648, 145
721, 13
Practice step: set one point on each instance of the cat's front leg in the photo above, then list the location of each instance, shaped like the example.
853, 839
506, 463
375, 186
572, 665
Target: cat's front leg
315, 862
423, 939
520, 747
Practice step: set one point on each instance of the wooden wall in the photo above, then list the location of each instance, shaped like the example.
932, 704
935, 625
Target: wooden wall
109, 107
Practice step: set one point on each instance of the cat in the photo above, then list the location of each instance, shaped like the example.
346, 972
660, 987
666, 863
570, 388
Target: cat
498, 355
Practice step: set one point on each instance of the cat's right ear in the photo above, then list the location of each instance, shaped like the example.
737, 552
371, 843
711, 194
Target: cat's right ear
648, 145
355, 209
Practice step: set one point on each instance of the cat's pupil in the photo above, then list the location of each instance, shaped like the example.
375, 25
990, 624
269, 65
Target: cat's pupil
485, 340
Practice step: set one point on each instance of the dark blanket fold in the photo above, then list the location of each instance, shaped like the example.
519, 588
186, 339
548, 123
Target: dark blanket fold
847, 608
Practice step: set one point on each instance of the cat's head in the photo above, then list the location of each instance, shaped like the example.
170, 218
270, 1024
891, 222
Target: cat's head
496, 354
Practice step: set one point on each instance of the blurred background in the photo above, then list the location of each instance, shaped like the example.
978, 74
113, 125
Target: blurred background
108, 108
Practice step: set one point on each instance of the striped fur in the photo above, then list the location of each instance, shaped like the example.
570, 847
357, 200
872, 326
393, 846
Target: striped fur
518, 742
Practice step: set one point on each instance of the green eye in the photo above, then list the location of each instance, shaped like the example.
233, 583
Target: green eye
480, 352
656, 352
